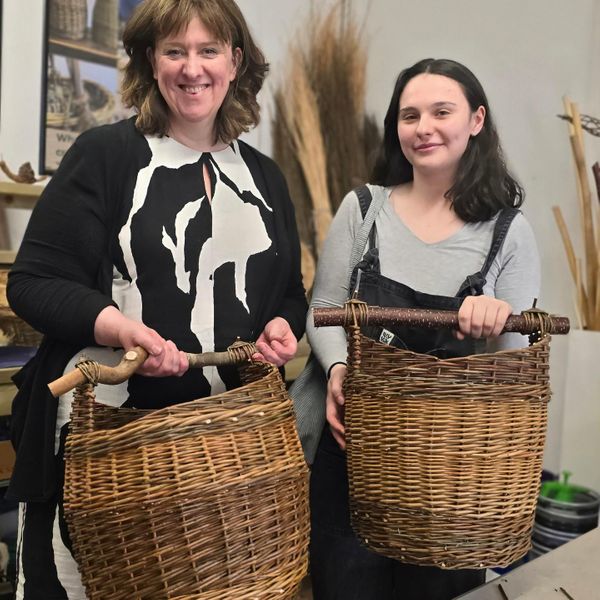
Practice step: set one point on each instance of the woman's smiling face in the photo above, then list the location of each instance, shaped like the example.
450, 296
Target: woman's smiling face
193, 71
435, 123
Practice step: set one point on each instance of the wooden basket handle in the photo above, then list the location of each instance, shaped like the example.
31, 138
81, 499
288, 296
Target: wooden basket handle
237, 353
528, 322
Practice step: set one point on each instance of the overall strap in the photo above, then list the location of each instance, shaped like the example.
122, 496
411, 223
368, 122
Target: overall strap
473, 284
370, 207
505, 218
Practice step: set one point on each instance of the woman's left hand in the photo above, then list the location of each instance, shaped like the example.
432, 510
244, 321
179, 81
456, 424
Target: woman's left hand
482, 316
276, 344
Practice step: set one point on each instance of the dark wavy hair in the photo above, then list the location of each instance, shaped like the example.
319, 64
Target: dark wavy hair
483, 184
153, 20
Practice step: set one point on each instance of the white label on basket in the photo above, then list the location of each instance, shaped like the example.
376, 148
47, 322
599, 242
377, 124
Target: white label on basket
386, 337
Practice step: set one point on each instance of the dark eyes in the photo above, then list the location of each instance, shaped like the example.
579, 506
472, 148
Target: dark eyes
408, 117
177, 52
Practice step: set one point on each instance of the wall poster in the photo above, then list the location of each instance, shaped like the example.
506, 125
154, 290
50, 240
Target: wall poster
81, 81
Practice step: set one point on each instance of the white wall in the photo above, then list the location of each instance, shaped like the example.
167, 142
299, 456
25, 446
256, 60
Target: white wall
527, 53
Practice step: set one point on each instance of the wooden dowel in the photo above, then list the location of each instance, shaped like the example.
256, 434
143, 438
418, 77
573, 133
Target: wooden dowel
429, 319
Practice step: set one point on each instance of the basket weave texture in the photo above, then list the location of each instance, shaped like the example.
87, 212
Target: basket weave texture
204, 500
445, 456
68, 18
105, 23
64, 110
13, 329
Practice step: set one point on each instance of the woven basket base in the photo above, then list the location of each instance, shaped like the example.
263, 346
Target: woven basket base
188, 562
442, 541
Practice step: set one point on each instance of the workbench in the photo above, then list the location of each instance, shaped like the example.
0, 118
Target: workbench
570, 572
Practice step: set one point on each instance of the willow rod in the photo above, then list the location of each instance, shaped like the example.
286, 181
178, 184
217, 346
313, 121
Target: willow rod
433, 319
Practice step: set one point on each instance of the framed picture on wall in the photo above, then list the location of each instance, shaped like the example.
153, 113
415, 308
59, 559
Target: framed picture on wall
83, 54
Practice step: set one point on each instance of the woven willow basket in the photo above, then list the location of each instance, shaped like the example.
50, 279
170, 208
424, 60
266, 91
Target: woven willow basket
13, 330
68, 18
63, 111
204, 500
445, 456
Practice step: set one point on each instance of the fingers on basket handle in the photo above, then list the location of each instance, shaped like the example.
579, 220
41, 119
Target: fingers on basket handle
131, 360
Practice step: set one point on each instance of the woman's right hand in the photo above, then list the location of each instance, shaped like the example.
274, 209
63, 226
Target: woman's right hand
112, 328
335, 404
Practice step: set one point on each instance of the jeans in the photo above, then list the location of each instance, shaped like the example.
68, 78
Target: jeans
342, 568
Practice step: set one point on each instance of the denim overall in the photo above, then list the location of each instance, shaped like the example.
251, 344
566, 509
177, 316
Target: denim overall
341, 568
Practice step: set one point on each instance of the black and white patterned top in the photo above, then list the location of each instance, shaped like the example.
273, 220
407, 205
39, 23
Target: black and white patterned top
126, 221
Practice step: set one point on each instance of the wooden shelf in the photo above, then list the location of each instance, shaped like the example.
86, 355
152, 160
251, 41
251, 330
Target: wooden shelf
25, 190
7, 257
83, 50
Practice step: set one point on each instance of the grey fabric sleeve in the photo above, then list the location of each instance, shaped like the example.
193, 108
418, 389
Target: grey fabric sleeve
331, 282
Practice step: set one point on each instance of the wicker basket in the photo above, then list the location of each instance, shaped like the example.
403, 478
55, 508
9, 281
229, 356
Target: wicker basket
105, 23
445, 456
204, 500
64, 111
68, 18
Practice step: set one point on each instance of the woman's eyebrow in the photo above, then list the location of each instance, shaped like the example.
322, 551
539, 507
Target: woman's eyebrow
434, 105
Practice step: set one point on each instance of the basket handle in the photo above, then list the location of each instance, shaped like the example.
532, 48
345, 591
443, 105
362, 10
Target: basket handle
528, 322
237, 353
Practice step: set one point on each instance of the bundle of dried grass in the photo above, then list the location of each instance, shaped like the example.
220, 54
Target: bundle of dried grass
322, 138
586, 272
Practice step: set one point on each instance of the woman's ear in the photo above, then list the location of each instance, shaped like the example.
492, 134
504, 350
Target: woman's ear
478, 119
151, 59
236, 57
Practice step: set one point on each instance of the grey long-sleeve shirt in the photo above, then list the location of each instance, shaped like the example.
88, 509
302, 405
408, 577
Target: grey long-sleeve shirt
438, 268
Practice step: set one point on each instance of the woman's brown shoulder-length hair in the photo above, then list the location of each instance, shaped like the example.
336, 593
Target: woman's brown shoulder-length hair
151, 21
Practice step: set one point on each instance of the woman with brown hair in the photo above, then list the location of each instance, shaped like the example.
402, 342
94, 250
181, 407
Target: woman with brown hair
163, 231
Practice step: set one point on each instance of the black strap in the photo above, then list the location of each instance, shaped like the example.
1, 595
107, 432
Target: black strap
473, 284
364, 201
505, 218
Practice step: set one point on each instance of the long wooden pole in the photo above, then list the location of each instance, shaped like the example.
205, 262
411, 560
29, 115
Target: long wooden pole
587, 217
430, 319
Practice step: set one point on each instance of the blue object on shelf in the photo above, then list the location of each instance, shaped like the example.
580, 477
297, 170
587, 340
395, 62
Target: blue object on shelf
15, 356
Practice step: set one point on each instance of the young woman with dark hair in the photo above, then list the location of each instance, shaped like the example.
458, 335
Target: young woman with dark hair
447, 234
482, 183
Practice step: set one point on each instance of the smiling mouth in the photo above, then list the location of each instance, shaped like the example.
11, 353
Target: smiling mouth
427, 146
194, 89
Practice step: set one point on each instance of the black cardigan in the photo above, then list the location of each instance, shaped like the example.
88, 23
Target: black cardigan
62, 277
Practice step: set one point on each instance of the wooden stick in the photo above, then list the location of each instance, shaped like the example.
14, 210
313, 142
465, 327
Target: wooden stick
596, 172
113, 375
566, 239
582, 297
134, 358
569, 113
428, 319
591, 257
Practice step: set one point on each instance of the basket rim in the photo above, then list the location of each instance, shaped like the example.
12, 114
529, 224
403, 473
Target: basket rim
540, 344
269, 370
